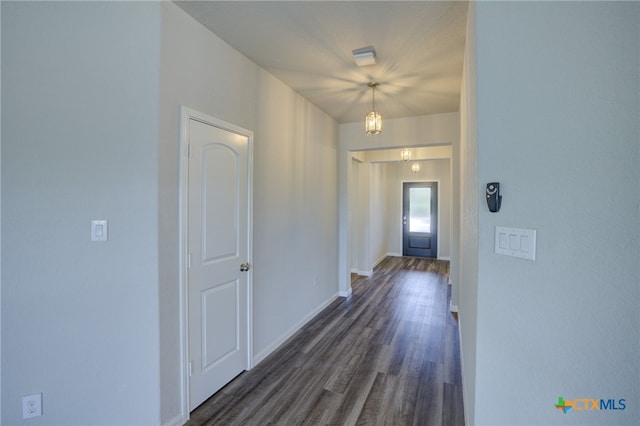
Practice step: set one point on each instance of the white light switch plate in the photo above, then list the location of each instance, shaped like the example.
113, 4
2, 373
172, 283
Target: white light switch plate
99, 230
516, 242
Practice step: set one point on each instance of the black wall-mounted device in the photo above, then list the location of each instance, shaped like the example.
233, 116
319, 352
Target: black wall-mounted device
494, 199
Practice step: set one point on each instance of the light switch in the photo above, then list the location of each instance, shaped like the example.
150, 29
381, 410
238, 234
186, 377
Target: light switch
516, 242
513, 242
99, 230
502, 241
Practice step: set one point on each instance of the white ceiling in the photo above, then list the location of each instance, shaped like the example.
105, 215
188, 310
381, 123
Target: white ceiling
308, 44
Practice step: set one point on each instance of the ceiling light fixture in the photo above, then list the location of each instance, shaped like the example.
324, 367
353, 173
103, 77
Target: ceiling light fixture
373, 120
405, 154
415, 167
364, 56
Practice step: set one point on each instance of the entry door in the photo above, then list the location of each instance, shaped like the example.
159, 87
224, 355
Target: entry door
218, 255
420, 219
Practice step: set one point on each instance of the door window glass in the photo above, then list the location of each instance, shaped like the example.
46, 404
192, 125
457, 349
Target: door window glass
419, 209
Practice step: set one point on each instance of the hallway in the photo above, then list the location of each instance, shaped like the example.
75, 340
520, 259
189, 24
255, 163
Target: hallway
388, 354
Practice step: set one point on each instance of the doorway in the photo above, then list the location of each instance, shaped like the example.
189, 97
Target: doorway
215, 253
420, 219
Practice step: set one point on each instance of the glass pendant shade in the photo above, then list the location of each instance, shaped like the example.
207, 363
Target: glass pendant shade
373, 123
405, 154
373, 120
415, 167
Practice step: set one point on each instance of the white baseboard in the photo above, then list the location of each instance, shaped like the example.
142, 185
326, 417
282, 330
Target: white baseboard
377, 262
365, 273
176, 421
452, 307
400, 255
283, 338
345, 293
354, 270
464, 388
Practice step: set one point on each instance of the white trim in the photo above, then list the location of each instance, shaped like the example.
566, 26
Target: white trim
175, 421
377, 262
462, 376
344, 231
453, 308
183, 253
346, 293
365, 273
185, 115
393, 254
444, 258
293, 330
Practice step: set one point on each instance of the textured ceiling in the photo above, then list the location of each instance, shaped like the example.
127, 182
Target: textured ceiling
308, 44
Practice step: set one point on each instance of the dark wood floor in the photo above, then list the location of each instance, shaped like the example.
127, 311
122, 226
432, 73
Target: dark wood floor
388, 355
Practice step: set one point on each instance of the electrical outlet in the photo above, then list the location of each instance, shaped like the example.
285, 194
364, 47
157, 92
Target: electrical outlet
32, 406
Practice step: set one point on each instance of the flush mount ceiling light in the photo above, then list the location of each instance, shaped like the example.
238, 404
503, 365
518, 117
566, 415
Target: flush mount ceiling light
364, 56
373, 120
405, 154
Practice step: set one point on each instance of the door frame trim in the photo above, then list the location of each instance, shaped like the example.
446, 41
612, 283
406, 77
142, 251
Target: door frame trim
402, 182
187, 114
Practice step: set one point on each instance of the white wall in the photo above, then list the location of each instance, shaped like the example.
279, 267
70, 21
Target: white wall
90, 125
368, 215
424, 130
354, 215
295, 187
0, 214
378, 212
364, 218
558, 107
468, 235
79, 142
434, 152
295, 216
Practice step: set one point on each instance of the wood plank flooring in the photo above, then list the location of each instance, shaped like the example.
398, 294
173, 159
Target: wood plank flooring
386, 355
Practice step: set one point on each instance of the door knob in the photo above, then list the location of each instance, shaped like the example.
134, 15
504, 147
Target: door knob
244, 267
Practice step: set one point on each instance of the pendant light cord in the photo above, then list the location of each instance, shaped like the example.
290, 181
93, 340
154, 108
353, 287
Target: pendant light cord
373, 99
373, 86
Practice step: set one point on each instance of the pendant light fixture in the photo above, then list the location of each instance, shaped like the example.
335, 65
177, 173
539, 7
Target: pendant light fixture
405, 154
373, 120
415, 167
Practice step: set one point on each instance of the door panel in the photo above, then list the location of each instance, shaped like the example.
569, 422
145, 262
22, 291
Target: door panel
220, 202
420, 219
218, 245
219, 312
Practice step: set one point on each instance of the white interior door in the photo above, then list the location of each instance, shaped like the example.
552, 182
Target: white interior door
218, 253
